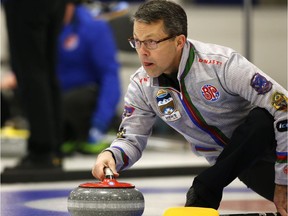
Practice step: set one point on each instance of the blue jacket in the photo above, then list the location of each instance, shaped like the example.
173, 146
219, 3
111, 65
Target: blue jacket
87, 55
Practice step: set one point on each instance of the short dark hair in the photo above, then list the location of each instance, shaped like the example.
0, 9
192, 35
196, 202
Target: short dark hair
173, 15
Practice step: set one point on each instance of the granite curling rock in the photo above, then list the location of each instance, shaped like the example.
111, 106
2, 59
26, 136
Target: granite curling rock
106, 198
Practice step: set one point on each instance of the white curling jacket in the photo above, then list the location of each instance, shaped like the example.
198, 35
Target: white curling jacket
218, 88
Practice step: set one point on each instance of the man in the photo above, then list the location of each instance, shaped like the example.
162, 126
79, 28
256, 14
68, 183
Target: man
227, 109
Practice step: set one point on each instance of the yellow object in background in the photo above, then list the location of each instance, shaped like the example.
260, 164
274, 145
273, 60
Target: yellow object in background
13, 133
190, 211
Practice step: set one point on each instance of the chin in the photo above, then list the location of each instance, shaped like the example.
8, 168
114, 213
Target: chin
153, 75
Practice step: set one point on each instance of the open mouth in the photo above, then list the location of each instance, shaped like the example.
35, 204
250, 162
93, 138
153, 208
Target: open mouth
147, 64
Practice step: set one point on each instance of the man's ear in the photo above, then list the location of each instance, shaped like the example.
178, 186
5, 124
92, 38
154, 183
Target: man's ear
181, 40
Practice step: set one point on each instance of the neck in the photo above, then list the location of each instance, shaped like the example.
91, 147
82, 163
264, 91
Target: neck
170, 80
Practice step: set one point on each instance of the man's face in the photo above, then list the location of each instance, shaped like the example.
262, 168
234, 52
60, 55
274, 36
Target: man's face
166, 57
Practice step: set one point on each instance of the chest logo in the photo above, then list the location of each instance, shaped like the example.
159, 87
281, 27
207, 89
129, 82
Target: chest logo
166, 106
210, 92
71, 42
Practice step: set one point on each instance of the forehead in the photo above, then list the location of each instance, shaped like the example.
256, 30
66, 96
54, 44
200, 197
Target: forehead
143, 30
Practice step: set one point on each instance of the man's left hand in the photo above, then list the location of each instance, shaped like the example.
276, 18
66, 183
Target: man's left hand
280, 199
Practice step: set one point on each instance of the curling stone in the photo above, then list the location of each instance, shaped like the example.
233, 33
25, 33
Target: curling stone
106, 198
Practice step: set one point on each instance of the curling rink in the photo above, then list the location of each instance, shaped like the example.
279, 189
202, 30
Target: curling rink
160, 193
50, 199
222, 25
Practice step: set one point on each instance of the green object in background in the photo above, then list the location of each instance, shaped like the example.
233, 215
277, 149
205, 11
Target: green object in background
71, 147
93, 148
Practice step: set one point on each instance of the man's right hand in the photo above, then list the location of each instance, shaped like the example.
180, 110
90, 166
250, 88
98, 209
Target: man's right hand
105, 159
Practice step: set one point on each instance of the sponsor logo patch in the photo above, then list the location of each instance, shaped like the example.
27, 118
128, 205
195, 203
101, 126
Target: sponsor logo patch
279, 101
260, 84
210, 92
144, 80
121, 133
210, 61
166, 106
128, 111
282, 126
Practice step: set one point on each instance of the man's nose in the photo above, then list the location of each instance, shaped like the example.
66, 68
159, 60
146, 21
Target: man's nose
142, 50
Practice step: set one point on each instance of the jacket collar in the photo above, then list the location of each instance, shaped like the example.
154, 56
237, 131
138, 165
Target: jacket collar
185, 64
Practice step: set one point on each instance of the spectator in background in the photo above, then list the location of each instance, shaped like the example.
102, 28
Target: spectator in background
33, 28
88, 74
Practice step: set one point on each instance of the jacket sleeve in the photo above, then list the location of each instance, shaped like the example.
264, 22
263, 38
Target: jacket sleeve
246, 80
135, 128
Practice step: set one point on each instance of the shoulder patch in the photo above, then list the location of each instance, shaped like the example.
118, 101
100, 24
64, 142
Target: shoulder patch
260, 84
279, 101
128, 111
282, 125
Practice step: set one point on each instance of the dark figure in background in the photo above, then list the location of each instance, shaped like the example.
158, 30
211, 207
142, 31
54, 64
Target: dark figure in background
33, 27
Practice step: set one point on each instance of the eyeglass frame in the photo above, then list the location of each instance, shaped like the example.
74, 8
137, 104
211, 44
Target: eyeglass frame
156, 42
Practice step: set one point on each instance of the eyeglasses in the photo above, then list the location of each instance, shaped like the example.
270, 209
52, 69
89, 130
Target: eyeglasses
149, 44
